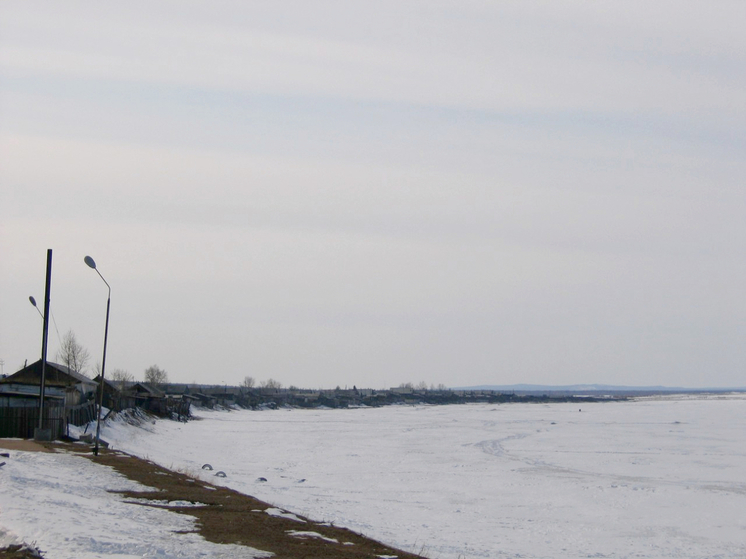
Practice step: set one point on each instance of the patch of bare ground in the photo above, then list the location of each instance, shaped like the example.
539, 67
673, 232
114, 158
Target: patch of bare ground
22, 444
225, 516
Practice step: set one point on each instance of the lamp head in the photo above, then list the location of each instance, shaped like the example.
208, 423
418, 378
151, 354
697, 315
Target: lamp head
33, 301
91, 263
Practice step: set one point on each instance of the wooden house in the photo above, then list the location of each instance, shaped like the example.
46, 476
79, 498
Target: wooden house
114, 397
65, 390
59, 380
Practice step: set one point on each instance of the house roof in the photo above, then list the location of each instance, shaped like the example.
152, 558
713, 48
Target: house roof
113, 385
145, 387
54, 375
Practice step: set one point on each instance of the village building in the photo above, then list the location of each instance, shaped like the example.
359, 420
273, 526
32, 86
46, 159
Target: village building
67, 395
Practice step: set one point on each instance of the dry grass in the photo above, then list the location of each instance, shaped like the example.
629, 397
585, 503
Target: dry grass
228, 517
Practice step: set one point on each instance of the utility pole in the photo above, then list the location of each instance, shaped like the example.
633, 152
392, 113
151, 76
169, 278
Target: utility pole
40, 433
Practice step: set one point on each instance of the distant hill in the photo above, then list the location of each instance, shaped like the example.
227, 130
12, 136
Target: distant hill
594, 389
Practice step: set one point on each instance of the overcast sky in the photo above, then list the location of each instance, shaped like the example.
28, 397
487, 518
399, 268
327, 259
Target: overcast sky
372, 193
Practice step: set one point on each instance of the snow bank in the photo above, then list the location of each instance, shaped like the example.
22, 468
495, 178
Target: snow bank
62, 504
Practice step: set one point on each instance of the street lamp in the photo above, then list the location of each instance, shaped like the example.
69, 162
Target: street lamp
92, 264
33, 302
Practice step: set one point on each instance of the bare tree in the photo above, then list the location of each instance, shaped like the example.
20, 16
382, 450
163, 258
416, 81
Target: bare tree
422, 386
155, 376
122, 377
248, 382
272, 383
73, 355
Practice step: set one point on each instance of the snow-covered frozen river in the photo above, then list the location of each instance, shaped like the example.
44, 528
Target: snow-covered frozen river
648, 478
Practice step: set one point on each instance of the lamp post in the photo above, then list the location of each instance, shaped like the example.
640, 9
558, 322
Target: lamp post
92, 264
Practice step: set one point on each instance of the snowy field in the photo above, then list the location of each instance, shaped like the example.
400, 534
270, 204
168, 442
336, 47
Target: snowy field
650, 478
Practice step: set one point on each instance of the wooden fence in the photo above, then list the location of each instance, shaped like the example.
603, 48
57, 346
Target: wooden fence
21, 422
81, 414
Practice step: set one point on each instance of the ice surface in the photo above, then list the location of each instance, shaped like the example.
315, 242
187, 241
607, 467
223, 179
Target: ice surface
644, 479
650, 478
